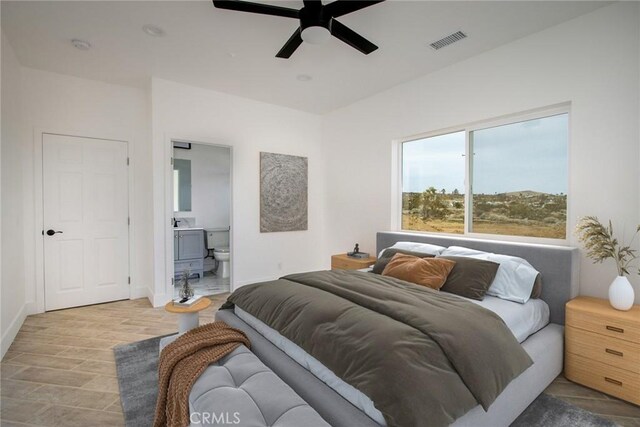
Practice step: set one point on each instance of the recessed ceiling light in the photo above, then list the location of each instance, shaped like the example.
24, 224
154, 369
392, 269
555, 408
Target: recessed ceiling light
81, 44
153, 30
303, 77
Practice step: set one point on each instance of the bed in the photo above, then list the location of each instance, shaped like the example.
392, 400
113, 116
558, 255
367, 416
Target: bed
341, 405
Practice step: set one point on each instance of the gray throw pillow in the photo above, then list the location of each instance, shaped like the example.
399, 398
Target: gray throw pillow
470, 277
537, 287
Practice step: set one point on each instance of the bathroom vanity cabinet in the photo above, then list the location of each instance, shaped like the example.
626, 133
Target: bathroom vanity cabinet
188, 251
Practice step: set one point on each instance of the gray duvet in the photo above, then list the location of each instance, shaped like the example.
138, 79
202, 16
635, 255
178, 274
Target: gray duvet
423, 357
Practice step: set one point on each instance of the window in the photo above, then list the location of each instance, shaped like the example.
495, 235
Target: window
515, 183
433, 172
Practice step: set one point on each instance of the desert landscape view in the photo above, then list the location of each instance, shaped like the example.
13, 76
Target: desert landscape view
519, 213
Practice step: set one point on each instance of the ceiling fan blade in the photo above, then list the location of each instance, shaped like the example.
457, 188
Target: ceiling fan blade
351, 38
312, 3
263, 9
342, 7
291, 45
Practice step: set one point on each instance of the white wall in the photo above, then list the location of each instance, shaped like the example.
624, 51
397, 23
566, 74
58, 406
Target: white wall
63, 104
12, 287
210, 185
189, 113
591, 61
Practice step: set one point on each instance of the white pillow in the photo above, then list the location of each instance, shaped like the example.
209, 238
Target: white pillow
461, 251
514, 279
422, 248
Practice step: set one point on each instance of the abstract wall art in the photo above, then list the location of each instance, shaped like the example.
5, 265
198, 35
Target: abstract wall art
283, 192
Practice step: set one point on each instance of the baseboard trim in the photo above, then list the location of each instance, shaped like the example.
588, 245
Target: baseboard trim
150, 295
160, 300
139, 292
12, 331
31, 307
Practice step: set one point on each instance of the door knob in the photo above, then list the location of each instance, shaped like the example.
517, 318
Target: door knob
51, 232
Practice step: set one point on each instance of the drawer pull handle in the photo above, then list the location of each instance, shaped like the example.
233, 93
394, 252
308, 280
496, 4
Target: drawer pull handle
614, 329
612, 381
614, 352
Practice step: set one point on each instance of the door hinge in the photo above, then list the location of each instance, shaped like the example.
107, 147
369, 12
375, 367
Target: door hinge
127, 161
128, 220
172, 281
129, 280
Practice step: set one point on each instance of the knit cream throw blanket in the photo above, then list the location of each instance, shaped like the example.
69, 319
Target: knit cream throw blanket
182, 362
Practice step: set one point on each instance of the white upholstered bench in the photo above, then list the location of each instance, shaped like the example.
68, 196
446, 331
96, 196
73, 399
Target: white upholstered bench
240, 390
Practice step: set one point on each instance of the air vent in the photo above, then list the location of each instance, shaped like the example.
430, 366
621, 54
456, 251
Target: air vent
446, 41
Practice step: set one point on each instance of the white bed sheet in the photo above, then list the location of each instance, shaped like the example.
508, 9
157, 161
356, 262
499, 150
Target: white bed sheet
522, 320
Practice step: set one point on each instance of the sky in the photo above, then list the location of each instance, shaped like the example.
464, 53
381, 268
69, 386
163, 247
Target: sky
529, 155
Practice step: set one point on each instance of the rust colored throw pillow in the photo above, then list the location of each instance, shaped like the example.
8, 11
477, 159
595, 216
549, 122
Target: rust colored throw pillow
430, 272
388, 254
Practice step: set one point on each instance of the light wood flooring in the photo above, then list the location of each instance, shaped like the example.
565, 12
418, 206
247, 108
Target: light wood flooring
60, 370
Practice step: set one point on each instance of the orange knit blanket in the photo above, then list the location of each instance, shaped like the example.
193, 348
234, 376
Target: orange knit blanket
182, 362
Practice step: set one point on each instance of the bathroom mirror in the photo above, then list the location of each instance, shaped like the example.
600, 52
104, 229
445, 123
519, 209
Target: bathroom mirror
181, 185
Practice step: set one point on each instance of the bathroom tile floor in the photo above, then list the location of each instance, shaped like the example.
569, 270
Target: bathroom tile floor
210, 284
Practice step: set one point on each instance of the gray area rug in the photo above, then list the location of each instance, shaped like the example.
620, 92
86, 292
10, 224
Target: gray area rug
549, 411
137, 366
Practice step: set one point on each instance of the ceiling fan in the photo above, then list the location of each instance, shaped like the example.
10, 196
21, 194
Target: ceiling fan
317, 22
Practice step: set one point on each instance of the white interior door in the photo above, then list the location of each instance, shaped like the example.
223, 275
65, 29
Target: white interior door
86, 231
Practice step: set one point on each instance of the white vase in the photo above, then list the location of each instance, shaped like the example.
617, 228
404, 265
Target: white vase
621, 294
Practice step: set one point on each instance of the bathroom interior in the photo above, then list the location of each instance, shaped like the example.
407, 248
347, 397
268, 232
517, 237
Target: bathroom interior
201, 217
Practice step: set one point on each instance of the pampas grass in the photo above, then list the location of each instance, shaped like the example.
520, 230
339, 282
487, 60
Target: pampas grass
601, 244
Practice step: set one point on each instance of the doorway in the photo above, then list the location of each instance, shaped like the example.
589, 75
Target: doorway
201, 217
86, 221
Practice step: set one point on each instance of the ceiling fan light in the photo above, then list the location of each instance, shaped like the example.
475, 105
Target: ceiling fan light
316, 34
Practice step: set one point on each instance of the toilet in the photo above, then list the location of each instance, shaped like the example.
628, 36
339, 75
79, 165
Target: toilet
218, 240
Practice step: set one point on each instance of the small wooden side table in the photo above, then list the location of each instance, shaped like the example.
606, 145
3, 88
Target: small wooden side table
345, 262
188, 317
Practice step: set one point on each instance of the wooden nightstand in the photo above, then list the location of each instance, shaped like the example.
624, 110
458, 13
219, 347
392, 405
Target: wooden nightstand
602, 347
344, 262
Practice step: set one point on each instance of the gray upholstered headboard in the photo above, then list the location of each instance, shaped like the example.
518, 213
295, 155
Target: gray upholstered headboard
559, 265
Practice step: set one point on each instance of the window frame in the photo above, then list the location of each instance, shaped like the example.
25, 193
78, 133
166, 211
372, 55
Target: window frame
540, 113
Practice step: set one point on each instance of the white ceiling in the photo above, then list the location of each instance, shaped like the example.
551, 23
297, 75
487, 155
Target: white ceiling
234, 52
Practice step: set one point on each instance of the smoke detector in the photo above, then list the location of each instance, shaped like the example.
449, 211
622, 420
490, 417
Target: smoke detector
153, 30
81, 44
